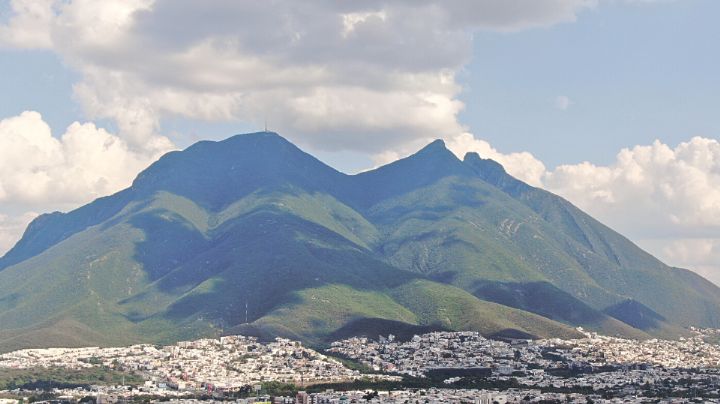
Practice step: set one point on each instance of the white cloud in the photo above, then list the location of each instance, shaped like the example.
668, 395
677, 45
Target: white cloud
39, 172
374, 76
699, 254
522, 165
11, 227
29, 27
668, 199
367, 76
85, 163
650, 190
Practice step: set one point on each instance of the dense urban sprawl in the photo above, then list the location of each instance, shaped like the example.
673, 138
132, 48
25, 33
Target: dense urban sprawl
226, 363
465, 367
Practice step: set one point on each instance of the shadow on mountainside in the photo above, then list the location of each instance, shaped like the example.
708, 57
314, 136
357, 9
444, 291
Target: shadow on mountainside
236, 267
374, 327
636, 314
541, 298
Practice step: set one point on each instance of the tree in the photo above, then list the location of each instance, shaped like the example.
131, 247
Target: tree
370, 395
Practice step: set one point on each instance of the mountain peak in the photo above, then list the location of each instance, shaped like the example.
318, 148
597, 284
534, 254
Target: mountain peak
260, 135
430, 164
215, 173
474, 160
433, 158
435, 150
245, 141
437, 144
493, 173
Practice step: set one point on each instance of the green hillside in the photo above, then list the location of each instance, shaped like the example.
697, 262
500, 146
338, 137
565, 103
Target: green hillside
253, 235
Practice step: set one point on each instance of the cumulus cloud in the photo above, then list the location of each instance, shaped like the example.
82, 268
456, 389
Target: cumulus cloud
702, 255
373, 76
522, 165
84, 163
11, 227
28, 28
666, 198
368, 76
653, 189
40, 172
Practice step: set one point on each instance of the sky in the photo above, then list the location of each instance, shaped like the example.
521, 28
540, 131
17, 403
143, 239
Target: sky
611, 104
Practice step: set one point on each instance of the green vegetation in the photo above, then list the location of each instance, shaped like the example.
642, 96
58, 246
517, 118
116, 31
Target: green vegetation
276, 389
429, 242
351, 363
46, 378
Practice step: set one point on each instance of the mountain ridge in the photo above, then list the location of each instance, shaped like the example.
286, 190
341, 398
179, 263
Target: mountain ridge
253, 220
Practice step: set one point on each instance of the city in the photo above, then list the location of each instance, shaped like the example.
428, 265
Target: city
438, 366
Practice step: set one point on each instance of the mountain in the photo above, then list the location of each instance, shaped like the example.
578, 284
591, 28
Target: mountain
253, 235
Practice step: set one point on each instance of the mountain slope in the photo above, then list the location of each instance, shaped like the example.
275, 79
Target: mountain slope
611, 260
172, 270
253, 235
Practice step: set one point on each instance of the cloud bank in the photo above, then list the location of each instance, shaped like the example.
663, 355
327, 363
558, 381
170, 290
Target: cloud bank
369, 76
85, 163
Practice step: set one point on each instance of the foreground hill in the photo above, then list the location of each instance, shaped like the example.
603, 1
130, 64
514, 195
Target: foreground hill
253, 235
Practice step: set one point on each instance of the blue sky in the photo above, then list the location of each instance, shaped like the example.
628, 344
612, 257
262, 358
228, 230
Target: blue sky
37, 80
542, 86
633, 72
